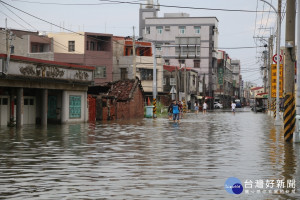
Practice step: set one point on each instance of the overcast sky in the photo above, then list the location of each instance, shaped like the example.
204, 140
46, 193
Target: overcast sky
236, 29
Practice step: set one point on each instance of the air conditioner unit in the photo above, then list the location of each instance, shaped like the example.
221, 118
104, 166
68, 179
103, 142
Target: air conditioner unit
167, 28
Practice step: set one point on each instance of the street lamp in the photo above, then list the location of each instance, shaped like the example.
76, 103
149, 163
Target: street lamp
278, 61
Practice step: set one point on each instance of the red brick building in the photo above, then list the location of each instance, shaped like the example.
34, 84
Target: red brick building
119, 100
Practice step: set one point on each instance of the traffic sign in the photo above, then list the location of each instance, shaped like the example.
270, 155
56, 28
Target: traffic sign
275, 58
274, 80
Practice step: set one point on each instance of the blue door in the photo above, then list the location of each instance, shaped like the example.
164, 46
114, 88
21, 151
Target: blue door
52, 103
75, 107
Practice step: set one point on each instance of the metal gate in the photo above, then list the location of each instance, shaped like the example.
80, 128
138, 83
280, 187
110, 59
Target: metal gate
92, 108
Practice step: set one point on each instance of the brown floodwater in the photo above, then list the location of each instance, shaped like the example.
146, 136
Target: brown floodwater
148, 159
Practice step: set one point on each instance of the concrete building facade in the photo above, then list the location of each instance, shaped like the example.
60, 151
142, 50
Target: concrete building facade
41, 91
124, 60
27, 44
83, 48
183, 41
225, 89
236, 78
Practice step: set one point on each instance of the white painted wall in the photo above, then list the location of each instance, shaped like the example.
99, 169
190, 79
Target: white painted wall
29, 110
65, 117
4, 111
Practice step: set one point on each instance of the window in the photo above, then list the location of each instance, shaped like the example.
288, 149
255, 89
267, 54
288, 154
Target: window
147, 30
92, 46
98, 46
87, 45
194, 80
196, 63
181, 30
167, 62
71, 46
172, 81
100, 72
36, 47
26, 102
164, 81
5, 101
197, 29
75, 106
146, 74
158, 48
159, 29
124, 73
141, 52
181, 61
167, 28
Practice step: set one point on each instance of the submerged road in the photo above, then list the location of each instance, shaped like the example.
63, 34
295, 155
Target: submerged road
150, 159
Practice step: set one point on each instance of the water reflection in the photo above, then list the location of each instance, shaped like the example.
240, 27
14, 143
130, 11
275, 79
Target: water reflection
145, 159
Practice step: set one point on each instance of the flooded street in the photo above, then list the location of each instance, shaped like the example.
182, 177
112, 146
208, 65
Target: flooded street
147, 159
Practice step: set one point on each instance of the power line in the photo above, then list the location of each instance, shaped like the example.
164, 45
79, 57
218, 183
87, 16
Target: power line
138, 3
184, 7
98, 38
66, 4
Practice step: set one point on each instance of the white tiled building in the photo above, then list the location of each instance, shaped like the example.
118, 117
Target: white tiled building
182, 40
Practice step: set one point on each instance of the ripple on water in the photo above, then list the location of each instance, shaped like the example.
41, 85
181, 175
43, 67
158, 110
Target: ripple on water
145, 159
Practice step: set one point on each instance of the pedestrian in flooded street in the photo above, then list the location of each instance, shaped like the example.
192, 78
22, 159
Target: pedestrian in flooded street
180, 110
204, 107
196, 108
170, 111
176, 111
233, 106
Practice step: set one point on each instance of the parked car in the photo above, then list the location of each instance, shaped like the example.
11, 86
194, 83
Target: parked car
218, 105
238, 103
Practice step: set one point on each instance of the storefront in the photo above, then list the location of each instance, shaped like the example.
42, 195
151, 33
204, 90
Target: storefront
40, 91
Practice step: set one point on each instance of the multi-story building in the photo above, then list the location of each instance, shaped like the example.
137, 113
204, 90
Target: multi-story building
124, 61
236, 69
169, 82
182, 40
41, 91
225, 89
27, 44
91, 49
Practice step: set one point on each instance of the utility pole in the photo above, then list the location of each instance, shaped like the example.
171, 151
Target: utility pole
7, 47
185, 84
6, 36
134, 55
289, 71
297, 133
269, 71
178, 74
265, 70
277, 121
154, 80
204, 88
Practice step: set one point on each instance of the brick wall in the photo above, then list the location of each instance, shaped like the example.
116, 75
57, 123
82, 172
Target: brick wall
133, 108
166, 100
109, 113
